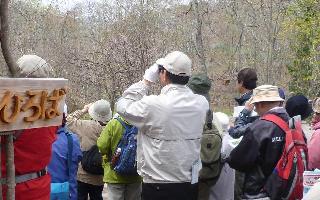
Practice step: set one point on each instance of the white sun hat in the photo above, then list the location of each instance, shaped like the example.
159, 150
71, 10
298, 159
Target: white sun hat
100, 111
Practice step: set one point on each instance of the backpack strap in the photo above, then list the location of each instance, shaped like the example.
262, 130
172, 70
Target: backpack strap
277, 120
124, 124
284, 126
70, 149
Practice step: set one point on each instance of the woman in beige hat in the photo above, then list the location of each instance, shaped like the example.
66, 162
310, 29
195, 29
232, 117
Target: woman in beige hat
88, 132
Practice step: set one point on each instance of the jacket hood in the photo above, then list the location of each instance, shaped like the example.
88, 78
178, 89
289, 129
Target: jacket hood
245, 97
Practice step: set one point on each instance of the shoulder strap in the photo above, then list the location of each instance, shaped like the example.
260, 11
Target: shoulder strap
70, 151
125, 125
277, 120
289, 143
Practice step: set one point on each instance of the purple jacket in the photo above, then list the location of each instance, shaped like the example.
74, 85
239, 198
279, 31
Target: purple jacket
314, 148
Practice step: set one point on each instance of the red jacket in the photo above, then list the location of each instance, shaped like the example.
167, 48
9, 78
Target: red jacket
32, 153
314, 148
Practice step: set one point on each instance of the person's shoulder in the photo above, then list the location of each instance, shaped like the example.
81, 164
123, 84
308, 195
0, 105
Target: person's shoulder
75, 138
154, 100
200, 99
315, 138
43, 129
262, 129
151, 98
114, 122
261, 125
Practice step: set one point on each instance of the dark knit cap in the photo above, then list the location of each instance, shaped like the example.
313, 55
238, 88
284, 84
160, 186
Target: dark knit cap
200, 84
298, 105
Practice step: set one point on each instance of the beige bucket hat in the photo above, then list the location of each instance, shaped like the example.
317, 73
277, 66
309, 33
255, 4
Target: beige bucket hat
100, 111
265, 93
316, 105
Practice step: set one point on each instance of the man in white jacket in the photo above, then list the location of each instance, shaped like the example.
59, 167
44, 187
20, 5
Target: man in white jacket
170, 127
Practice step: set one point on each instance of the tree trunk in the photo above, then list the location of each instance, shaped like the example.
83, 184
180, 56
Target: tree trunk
0, 170
4, 38
10, 167
199, 38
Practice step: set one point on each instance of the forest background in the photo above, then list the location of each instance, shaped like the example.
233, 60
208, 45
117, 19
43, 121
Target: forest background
102, 47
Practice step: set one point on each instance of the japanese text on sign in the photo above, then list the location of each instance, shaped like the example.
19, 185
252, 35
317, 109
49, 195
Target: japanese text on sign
42, 104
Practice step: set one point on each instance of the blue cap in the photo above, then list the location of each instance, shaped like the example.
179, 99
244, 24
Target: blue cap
282, 94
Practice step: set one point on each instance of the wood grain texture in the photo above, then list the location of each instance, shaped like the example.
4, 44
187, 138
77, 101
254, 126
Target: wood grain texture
20, 86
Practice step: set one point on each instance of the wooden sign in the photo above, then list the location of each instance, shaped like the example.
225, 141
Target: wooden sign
27, 103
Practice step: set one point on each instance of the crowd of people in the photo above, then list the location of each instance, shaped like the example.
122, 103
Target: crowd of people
180, 149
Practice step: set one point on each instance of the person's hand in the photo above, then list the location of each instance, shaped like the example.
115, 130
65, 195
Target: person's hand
152, 74
86, 107
249, 106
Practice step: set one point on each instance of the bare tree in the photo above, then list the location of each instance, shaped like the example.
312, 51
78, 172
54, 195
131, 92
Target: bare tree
4, 38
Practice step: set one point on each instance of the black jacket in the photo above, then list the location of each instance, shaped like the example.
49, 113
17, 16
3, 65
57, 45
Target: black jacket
258, 152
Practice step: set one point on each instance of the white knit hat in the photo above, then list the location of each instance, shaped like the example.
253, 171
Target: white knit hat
100, 111
33, 66
176, 63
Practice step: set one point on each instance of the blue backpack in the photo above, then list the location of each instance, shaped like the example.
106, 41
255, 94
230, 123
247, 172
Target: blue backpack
125, 161
61, 191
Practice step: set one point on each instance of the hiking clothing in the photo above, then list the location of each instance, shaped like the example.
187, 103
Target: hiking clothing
107, 144
244, 119
130, 191
314, 148
85, 189
32, 153
244, 98
259, 151
88, 132
58, 167
170, 127
224, 188
241, 123
169, 191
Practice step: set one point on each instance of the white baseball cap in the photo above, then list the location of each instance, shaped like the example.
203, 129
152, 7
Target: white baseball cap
176, 63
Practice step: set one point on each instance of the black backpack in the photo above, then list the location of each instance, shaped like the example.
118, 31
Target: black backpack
92, 161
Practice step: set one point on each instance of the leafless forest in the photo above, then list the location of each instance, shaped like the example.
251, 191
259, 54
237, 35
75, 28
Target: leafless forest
104, 46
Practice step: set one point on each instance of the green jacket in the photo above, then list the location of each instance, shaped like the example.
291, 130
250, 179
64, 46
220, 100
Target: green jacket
107, 144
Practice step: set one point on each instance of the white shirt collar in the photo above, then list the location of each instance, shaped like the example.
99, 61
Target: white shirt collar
171, 87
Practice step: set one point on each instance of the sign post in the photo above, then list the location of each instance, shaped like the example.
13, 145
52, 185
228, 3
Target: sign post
27, 103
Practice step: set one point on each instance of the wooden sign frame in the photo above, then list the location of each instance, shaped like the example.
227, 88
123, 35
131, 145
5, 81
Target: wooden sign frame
27, 103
